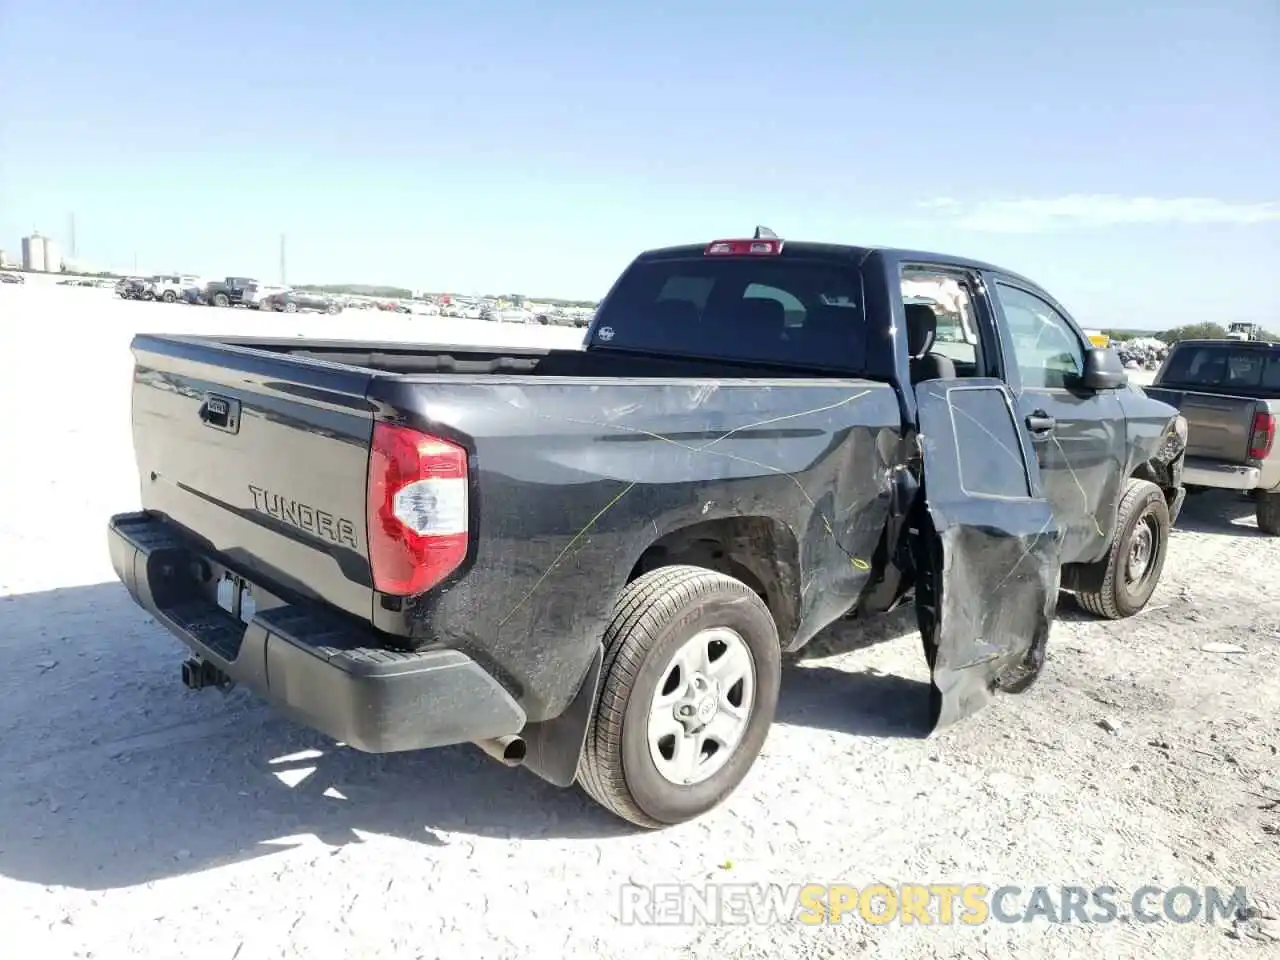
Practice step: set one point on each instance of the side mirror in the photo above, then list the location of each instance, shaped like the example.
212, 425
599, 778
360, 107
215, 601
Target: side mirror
1103, 370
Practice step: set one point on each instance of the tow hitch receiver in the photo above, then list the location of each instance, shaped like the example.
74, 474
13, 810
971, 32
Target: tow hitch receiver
198, 674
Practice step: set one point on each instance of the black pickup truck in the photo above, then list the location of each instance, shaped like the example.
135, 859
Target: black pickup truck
592, 561
229, 292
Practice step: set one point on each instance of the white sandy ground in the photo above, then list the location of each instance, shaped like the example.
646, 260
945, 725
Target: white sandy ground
140, 820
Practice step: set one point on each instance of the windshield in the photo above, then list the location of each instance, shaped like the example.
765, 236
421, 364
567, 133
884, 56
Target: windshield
787, 311
1225, 367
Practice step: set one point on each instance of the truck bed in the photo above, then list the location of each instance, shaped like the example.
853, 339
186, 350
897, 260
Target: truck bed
1219, 425
415, 359
257, 452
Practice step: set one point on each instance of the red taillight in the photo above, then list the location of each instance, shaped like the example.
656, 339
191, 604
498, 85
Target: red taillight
1263, 436
744, 248
418, 509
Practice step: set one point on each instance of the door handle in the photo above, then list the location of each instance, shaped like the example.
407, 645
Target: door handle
1040, 424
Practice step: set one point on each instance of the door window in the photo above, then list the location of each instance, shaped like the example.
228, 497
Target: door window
1046, 349
951, 301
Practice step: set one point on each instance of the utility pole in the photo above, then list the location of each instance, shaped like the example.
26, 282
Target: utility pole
283, 272
71, 234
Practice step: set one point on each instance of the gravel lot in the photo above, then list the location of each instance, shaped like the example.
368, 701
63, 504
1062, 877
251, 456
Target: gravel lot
140, 820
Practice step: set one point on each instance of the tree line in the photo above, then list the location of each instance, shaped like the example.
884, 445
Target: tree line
1191, 331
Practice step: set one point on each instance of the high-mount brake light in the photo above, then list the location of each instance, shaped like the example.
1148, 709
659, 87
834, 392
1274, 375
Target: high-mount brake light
1263, 436
744, 248
417, 509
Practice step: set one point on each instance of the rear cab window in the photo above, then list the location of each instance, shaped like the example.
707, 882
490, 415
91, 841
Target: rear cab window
791, 311
1224, 367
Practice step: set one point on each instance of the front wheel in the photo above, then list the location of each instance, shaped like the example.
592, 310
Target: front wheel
169, 296
692, 667
1268, 511
1120, 584
221, 300
291, 307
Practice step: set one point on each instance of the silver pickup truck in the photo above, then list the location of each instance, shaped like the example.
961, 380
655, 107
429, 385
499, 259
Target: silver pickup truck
1229, 393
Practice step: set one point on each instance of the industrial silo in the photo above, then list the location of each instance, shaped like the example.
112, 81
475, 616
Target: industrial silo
52, 256
33, 252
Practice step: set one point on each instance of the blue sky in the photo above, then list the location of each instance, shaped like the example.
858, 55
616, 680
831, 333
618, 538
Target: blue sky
1124, 155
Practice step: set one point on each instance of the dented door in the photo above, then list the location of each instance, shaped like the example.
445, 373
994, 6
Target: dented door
987, 586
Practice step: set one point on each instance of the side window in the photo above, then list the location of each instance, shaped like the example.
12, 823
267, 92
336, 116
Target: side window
1046, 349
791, 305
955, 327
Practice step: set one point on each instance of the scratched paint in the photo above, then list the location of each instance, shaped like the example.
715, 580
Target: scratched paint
573, 486
857, 563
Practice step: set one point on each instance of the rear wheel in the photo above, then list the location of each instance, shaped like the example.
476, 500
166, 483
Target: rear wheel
221, 300
1121, 583
290, 307
333, 309
169, 296
1268, 511
688, 692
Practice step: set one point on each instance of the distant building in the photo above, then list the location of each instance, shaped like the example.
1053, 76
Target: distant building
52, 256
33, 252
5, 260
41, 254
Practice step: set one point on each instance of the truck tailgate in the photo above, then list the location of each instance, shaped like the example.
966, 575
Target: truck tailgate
1218, 426
262, 457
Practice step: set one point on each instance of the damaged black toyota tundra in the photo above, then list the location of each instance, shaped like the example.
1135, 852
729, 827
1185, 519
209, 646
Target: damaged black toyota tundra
592, 562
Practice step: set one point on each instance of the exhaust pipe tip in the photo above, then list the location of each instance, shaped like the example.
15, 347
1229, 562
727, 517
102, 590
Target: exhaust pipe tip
509, 751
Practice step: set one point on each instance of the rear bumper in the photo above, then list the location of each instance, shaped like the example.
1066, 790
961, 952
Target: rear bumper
1224, 476
319, 668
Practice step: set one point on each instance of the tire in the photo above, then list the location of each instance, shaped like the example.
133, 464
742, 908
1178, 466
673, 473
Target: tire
1105, 588
1268, 511
333, 309
654, 618
169, 296
221, 300
290, 307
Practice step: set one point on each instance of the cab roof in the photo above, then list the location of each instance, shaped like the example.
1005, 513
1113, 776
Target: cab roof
838, 252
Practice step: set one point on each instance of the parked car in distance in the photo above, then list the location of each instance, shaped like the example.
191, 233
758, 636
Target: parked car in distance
256, 293
300, 301
229, 292
1229, 393
591, 561
11, 276
171, 287
133, 288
